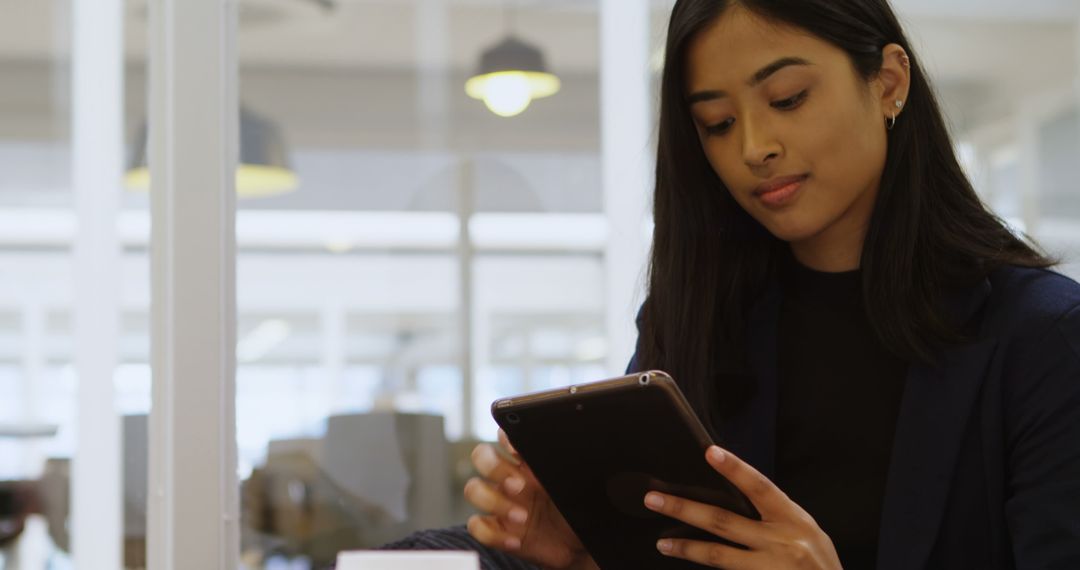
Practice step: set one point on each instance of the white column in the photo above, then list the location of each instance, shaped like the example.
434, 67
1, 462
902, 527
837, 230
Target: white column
33, 368
1028, 122
194, 506
433, 72
1076, 78
627, 159
97, 164
528, 361
467, 305
333, 330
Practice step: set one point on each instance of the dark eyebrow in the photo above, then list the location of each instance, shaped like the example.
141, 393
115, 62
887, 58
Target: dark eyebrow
755, 80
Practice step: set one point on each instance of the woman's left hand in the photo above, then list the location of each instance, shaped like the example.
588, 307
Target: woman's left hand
785, 537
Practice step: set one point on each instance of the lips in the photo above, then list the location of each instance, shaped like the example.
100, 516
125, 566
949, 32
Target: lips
779, 191
778, 183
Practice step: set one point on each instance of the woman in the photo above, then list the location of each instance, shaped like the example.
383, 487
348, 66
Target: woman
893, 375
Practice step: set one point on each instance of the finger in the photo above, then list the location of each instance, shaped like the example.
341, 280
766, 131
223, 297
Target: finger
766, 497
498, 470
526, 471
504, 441
484, 496
707, 553
487, 531
717, 521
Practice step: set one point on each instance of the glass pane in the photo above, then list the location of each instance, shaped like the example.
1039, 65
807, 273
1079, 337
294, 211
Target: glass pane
1015, 123
133, 381
366, 373
366, 367
1057, 215
38, 375
37, 380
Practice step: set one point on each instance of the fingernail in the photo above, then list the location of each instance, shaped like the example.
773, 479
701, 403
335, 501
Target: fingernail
654, 501
664, 546
717, 454
513, 543
486, 460
514, 485
519, 515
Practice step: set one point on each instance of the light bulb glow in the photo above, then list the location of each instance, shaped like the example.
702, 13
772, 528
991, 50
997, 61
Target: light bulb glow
507, 94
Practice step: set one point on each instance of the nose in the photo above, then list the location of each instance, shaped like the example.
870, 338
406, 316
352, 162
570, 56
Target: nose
759, 146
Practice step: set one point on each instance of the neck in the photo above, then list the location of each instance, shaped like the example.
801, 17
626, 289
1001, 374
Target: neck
828, 259
838, 248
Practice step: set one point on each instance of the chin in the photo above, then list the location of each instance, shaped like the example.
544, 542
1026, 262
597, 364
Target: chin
791, 230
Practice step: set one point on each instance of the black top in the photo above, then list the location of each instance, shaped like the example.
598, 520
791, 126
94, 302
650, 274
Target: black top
839, 397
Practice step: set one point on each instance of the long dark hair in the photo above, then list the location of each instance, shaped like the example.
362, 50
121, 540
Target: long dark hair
929, 232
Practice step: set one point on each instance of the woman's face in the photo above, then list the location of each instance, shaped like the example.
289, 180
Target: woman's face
792, 130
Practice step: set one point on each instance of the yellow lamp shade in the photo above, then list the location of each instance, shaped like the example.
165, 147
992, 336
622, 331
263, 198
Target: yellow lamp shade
512, 74
264, 166
252, 180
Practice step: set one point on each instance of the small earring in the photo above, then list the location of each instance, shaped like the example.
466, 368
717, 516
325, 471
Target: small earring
890, 122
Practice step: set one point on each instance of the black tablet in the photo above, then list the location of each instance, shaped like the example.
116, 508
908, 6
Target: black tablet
597, 448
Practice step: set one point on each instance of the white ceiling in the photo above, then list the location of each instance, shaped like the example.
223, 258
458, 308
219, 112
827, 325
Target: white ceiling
985, 55
351, 79
382, 33
1006, 10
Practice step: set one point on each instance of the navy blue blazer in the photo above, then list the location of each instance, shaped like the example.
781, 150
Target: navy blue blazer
985, 469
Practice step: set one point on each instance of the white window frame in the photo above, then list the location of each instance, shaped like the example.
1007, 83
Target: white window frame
626, 156
97, 161
193, 519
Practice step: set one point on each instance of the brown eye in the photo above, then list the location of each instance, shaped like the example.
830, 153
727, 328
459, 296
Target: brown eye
790, 103
720, 128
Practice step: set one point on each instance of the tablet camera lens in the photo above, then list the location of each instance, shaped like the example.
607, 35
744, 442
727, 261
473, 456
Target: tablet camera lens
513, 418
643, 380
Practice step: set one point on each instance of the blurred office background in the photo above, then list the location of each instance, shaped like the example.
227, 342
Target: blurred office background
372, 332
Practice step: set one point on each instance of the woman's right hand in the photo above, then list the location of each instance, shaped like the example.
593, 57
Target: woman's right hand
519, 516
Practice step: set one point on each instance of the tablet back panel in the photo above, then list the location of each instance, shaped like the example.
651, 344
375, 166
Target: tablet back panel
598, 448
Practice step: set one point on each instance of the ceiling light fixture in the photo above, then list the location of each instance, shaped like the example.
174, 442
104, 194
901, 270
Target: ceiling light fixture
264, 162
512, 73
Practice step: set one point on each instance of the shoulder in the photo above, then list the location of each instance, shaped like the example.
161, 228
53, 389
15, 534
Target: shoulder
1034, 315
1037, 323
1026, 302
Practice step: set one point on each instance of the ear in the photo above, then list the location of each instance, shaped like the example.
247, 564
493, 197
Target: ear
894, 80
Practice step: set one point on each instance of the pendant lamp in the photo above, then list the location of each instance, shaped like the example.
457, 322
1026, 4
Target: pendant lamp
512, 73
263, 169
